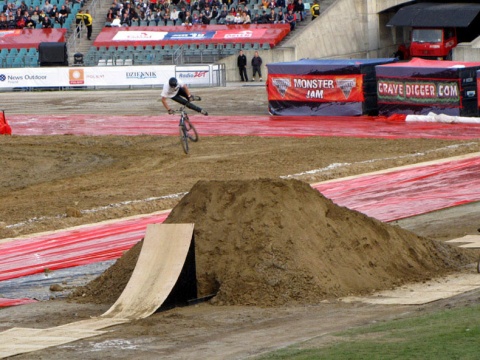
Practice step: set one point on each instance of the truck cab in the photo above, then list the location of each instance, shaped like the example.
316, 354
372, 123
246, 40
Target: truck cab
433, 43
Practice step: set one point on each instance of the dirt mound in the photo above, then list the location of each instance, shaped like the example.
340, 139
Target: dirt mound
276, 242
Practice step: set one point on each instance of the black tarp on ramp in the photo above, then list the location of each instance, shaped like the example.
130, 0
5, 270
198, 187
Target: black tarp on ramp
323, 87
423, 86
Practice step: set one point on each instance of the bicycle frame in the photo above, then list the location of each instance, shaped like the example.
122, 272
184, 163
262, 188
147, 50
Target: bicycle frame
187, 130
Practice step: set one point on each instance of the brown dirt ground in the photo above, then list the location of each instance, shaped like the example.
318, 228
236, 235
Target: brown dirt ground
52, 182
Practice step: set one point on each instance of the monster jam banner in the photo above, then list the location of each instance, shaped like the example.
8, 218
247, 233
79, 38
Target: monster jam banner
423, 86
323, 87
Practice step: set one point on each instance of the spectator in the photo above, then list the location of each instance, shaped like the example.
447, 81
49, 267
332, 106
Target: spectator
47, 23
188, 19
195, 20
281, 4
174, 16
20, 23
272, 17
157, 17
166, 16
116, 22
58, 19
230, 19
257, 19
214, 12
182, 14
291, 19
63, 11
126, 21
47, 7
53, 12
29, 23
300, 10
279, 17
109, 18
257, 66
222, 15
246, 18
35, 18
242, 66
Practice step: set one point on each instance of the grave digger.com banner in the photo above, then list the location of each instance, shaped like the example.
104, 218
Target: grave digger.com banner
312, 88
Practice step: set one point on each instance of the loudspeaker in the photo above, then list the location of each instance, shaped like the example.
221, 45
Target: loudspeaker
52, 54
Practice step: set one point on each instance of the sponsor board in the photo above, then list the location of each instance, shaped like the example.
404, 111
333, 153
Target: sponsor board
312, 88
418, 91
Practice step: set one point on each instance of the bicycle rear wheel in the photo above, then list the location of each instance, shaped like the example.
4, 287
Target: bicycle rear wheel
191, 131
184, 138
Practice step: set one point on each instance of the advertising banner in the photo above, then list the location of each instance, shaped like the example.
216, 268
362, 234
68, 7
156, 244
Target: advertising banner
312, 88
419, 91
419, 87
104, 76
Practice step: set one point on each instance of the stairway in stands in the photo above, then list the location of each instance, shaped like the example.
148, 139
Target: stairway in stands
98, 9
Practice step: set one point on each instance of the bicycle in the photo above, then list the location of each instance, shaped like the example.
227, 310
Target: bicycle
187, 130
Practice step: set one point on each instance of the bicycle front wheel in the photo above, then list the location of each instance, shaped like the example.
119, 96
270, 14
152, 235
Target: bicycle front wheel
191, 131
184, 138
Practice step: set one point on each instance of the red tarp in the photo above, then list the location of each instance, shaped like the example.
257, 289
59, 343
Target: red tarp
362, 126
196, 34
14, 302
29, 38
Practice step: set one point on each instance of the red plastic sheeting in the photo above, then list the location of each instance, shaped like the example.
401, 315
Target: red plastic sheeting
355, 126
409, 192
15, 302
69, 248
389, 196
196, 34
29, 38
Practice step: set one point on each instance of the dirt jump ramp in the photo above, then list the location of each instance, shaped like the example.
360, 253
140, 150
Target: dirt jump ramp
164, 251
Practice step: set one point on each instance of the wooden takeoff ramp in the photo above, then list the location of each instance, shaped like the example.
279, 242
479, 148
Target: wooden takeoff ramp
159, 265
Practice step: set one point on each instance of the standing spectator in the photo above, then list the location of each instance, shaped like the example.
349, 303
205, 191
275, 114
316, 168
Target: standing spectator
87, 19
242, 66
315, 9
257, 66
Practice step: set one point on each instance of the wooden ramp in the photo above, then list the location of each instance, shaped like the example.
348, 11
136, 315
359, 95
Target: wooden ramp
159, 265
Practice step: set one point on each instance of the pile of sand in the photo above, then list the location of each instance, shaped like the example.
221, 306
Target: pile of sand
275, 242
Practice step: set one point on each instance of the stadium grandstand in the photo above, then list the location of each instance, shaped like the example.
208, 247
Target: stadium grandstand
205, 31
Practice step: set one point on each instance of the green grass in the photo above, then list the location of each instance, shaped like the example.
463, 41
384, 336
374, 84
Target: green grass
448, 334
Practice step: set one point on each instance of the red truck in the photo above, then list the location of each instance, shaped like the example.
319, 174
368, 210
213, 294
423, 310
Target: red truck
433, 43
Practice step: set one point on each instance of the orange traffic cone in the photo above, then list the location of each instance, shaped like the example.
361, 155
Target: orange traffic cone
5, 129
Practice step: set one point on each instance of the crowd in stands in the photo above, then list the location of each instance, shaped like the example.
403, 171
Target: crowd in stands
35, 17
206, 12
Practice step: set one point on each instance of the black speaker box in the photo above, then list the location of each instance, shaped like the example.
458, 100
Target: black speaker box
52, 54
